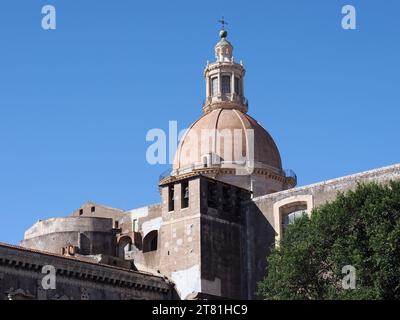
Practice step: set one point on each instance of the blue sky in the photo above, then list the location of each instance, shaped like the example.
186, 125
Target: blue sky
76, 102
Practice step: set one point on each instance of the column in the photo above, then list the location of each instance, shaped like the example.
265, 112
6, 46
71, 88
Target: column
219, 83
232, 86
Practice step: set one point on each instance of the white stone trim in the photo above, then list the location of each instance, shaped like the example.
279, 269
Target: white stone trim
308, 199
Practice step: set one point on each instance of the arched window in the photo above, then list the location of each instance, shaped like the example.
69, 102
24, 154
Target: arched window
124, 245
291, 212
150, 241
289, 209
214, 86
226, 84
185, 194
237, 85
171, 200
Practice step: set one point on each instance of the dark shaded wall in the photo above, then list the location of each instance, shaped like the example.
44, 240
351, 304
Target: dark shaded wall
222, 247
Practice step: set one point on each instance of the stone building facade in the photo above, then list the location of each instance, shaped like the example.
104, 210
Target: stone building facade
22, 275
224, 204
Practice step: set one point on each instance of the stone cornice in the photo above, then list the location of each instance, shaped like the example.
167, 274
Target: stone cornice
218, 170
223, 104
33, 260
373, 175
224, 66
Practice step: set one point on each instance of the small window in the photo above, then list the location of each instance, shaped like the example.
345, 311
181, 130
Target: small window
171, 206
116, 224
185, 194
150, 241
226, 84
237, 85
214, 86
92, 209
80, 212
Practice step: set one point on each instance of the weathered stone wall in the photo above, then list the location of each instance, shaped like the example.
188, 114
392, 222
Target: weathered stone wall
180, 240
221, 240
21, 277
90, 235
221, 257
201, 246
137, 224
91, 209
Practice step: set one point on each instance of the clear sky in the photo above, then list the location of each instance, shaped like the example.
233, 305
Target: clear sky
76, 102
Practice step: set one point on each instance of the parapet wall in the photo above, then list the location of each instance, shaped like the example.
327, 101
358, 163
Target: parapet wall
69, 224
89, 235
327, 190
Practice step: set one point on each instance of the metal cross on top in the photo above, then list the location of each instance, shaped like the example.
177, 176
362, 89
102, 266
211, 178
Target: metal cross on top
223, 23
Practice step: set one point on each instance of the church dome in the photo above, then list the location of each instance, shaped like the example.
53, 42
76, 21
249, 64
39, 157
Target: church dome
227, 135
226, 143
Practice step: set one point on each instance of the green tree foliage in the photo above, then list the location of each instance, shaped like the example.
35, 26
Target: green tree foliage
360, 228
